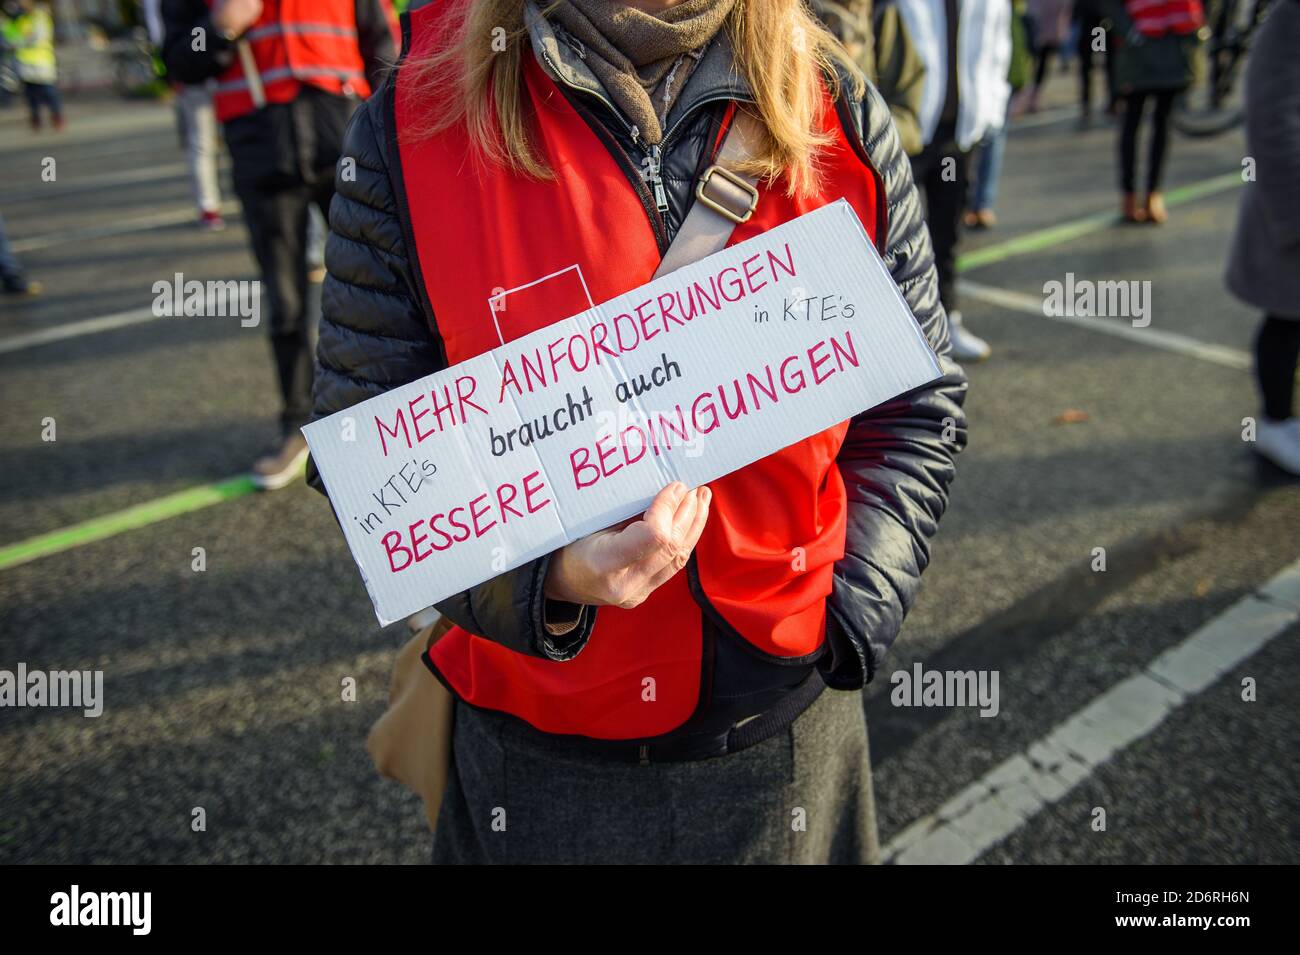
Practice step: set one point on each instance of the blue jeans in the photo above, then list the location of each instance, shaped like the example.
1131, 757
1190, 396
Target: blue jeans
11, 273
988, 170
46, 95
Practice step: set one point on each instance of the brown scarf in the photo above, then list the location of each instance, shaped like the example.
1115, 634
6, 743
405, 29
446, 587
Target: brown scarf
642, 59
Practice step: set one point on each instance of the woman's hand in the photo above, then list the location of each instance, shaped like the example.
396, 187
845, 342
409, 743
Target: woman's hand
621, 566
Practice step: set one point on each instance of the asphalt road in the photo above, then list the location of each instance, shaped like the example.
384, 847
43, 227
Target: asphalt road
223, 687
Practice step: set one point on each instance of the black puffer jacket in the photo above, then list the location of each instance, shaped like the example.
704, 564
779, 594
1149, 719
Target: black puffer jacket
897, 459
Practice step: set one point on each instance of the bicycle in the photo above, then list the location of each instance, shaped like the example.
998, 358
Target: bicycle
135, 70
1213, 104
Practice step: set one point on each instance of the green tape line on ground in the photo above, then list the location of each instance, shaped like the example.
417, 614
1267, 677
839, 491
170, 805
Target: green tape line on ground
98, 528
1055, 235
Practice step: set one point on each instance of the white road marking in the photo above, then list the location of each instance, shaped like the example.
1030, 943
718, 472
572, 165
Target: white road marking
120, 227
1152, 337
48, 192
1047, 117
90, 326
1004, 799
84, 125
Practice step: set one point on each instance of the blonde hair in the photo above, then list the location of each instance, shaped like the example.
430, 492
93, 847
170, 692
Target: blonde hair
781, 50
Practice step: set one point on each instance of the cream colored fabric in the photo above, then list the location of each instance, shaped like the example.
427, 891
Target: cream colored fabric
411, 741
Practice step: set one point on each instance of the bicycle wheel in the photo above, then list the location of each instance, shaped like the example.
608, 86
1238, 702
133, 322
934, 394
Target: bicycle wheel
1213, 104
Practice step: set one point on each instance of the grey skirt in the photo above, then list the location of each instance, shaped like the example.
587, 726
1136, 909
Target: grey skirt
802, 796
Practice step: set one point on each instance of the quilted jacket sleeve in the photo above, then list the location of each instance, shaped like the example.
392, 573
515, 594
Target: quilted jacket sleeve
897, 459
375, 336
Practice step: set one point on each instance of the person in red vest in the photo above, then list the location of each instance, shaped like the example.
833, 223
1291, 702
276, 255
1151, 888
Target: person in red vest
289, 74
1155, 60
686, 686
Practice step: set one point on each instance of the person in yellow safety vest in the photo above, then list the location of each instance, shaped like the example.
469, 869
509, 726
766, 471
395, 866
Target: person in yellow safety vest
31, 34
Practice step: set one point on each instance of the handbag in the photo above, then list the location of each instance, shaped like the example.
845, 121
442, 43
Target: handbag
411, 740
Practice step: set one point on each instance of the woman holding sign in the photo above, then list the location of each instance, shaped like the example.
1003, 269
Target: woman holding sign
684, 686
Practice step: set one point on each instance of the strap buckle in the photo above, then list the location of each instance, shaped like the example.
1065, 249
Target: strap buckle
736, 204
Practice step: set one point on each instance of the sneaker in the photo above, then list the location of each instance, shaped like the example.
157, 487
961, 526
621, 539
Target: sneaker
19, 286
281, 464
1279, 442
966, 346
210, 221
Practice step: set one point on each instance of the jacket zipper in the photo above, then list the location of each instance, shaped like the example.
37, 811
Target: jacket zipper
654, 154
633, 173
653, 164
648, 178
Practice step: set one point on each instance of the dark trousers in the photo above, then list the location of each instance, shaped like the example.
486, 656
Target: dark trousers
43, 95
1277, 351
277, 224
1134, 107
1040, 69
941, 172
1087, 23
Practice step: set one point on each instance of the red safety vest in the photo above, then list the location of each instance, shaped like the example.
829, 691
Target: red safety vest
763, 566
295, 42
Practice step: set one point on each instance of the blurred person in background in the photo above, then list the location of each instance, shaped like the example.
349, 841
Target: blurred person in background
966, 48
317, 231
548, 661
289, 74
876, 37
1264, 264
30, 32
988, 164
1155, 52
1051, 32
13, 280
1093, 16
196, 119
10, 84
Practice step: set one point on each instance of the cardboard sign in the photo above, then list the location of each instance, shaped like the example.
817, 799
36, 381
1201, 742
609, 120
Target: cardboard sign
453, 479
